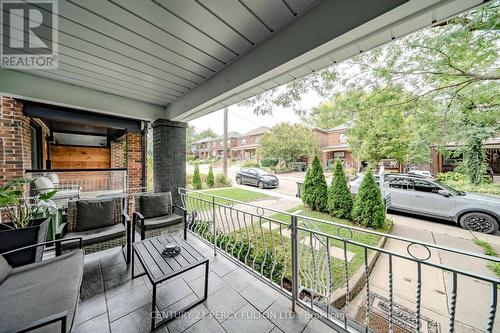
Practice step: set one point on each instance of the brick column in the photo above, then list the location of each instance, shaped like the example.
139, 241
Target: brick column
134, 160
169, 155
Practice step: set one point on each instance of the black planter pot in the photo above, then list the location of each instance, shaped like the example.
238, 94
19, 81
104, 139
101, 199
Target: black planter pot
11, 239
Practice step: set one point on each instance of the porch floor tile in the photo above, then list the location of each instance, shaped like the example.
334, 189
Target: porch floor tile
238, 301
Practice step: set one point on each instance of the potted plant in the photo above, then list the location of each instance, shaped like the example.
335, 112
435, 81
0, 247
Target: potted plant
28, 220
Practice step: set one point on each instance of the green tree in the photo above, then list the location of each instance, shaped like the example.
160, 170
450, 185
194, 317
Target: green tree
208, 133
210, 177
369, 209
287, 143
197, 178
375, 135
339, 109
339, 197
448, 74
314, 189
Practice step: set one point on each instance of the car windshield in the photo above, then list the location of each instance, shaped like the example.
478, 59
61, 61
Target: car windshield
449, 189
261, 172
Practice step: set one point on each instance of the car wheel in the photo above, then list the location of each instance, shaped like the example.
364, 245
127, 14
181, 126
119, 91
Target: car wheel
261, 185
479, 222
238, 180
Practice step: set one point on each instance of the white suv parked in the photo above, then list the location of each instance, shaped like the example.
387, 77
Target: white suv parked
422, 196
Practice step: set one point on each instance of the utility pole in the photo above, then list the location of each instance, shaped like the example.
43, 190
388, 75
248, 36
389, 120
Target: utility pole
224, 153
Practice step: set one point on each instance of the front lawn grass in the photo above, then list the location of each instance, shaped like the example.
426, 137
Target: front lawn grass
235, 194
231, 193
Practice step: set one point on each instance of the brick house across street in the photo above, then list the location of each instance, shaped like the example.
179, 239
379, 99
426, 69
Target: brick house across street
241, 147
332, 144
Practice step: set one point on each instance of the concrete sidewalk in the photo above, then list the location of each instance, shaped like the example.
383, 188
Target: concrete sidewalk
474, 296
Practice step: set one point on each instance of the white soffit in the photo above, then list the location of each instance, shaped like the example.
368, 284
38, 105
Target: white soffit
181, 59
405, 19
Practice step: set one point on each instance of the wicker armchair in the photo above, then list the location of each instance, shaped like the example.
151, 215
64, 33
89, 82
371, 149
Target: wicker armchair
172, 221
100, 238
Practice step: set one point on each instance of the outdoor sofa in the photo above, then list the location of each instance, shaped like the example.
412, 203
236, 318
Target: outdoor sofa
43, 296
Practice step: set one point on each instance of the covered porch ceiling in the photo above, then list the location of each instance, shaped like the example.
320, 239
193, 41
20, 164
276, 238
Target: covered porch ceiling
181, 59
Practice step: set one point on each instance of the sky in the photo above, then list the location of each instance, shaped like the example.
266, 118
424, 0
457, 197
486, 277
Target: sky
241, 119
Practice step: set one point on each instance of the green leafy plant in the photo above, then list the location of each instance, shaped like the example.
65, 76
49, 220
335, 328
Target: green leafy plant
197, 178
264, 259
21, 209
266, 163
339, 197
451, 176
369, 209
221, 180
489, 251
250, 164
210, 177
314, 190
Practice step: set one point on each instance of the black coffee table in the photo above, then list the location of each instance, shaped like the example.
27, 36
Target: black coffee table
159, 268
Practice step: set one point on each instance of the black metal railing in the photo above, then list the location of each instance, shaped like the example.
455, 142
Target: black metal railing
344, 273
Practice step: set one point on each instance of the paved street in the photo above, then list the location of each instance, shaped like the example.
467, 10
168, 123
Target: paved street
288, 181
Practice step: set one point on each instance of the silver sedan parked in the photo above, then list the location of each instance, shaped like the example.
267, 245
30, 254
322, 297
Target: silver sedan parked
421, 196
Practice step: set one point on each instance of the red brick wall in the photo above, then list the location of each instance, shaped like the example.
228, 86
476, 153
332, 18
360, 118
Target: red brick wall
322, 138
15, 154
334, 137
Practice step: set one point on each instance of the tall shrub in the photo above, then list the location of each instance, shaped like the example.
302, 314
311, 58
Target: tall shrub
339, 197
369, 209
210, 177
474, 157
196, 177
314, 190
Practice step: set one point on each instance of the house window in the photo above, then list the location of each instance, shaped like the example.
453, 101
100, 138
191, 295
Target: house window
36, 146
343, 138
243, 141
338, 154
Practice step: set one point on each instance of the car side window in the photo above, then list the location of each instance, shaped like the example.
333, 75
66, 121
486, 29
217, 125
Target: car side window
425, 186
399, 183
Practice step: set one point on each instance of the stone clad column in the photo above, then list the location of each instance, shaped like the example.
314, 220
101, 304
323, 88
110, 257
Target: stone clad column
169, 155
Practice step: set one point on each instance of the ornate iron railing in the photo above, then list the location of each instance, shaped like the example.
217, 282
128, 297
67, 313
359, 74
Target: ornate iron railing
344, 273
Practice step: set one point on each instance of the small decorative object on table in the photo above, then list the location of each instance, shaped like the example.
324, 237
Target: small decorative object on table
171, 250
